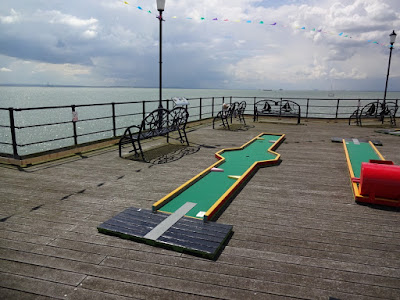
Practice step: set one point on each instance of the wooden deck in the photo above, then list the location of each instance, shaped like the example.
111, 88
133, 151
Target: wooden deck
297, 230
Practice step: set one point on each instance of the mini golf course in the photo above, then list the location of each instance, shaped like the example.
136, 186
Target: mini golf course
181, 219
212, 188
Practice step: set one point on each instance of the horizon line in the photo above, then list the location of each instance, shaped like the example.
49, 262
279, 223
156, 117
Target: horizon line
152, 87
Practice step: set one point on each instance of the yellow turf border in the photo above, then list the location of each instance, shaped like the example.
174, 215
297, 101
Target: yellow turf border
223, 199
356, 192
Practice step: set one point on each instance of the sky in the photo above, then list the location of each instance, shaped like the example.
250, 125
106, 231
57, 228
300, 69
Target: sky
252, 44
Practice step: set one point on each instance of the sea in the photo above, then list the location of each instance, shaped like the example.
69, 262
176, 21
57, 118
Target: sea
28, 137
21, 97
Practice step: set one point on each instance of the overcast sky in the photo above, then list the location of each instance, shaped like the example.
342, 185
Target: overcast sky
324, 44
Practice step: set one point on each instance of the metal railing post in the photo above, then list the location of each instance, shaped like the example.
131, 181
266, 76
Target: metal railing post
74, 125
337, 108
13, 135
308, 103
254, 108
212, 107
200, 110
113, 119
377, 108
143, 109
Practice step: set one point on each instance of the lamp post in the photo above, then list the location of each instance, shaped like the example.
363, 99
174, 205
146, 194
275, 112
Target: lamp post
392, 40
160, 8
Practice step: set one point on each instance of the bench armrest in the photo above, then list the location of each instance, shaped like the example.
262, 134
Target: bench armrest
128, 130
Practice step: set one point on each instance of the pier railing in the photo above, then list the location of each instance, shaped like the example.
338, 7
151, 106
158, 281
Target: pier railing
27, 131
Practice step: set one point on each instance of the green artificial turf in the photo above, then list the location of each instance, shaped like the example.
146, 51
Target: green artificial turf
208, 189
360, 153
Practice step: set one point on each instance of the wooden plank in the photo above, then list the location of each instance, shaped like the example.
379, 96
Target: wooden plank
35, 286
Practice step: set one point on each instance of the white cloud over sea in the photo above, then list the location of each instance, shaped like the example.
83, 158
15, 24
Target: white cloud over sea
313, 44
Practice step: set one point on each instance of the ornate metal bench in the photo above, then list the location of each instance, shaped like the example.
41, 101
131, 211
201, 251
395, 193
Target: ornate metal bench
375, 110
280, 108
240, 111
159, 122
235, 110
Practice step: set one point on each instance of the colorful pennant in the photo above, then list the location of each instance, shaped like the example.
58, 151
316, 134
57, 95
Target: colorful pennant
341, 34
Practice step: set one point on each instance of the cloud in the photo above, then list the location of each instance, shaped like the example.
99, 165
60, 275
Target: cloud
108, 41
5, 70
354, 73
57, 17
14, 17
322, 55
89, 34
68, 70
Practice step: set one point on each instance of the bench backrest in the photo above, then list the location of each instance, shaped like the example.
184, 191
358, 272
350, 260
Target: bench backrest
392, 107
233, 108
230, 111
162, 120
270, 106
241, 107
376, 109
370, 109
178, 118
154, 122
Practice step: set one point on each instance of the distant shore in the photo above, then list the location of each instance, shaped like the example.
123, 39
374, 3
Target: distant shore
155, 87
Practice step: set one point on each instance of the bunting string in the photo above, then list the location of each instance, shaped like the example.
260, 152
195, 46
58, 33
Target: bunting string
216, 19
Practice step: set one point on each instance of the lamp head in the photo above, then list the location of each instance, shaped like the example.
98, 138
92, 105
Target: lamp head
160, 5
392, 37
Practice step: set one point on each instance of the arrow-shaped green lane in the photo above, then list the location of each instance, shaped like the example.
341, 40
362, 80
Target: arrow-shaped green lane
210, 189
